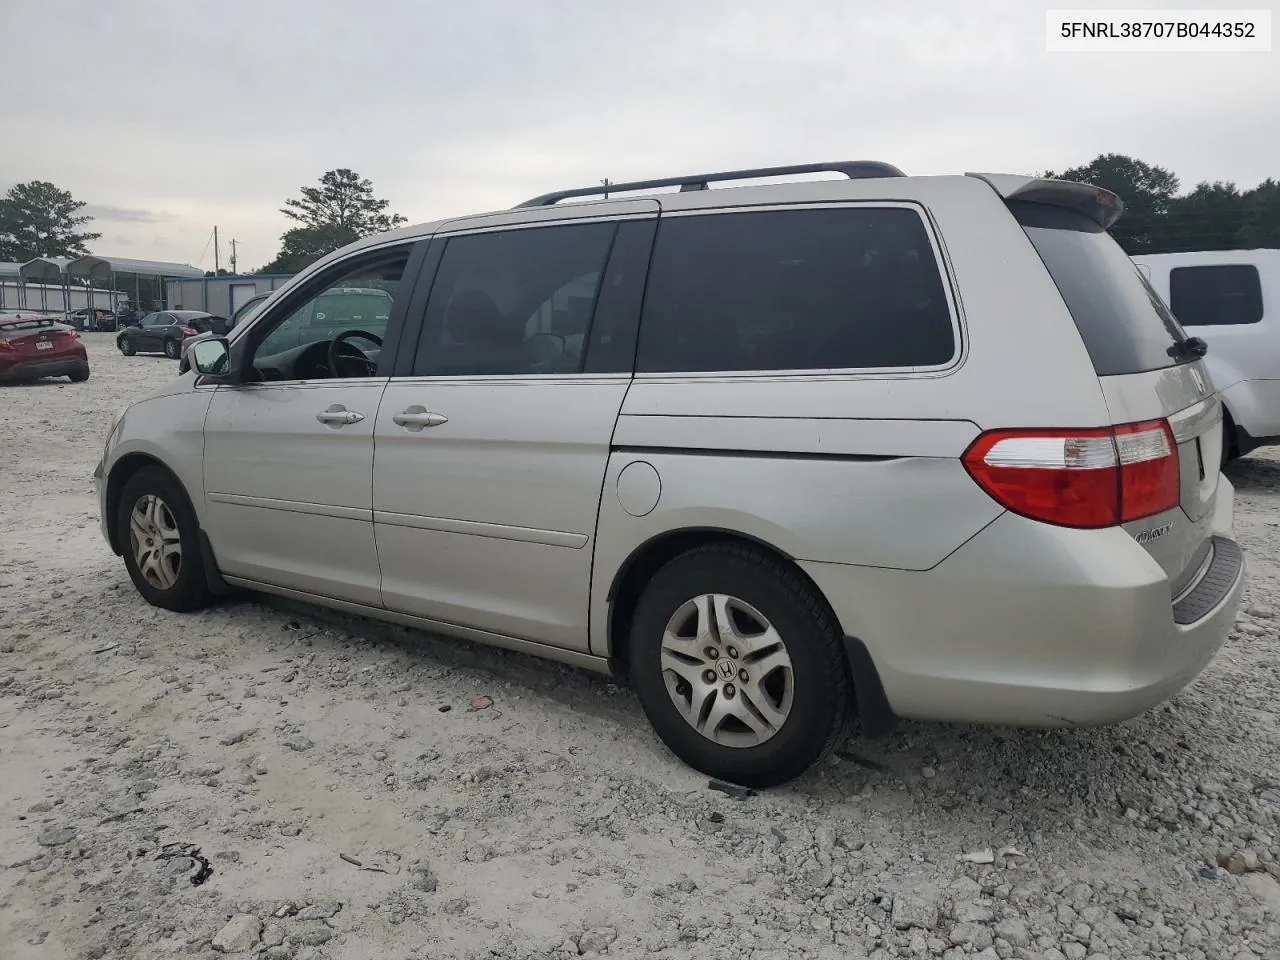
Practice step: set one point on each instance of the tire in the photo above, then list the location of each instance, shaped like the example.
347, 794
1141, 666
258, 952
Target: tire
179, 586
126, 346
80, 376
756, 590
172, 349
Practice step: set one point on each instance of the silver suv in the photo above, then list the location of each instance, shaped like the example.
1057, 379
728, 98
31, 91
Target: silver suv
874, 447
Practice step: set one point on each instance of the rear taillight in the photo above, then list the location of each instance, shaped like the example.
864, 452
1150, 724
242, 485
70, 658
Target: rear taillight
6, 345
187, 331
1079, 478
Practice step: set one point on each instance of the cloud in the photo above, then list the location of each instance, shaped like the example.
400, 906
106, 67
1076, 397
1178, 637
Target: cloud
105, 211
216, 113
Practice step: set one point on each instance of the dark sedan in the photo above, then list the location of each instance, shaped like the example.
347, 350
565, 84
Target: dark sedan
164, 332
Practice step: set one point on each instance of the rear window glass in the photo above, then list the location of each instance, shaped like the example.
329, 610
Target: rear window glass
1219, 295
1125, 325
849, 288
8, 328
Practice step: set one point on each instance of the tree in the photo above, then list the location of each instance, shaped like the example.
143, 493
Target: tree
1147, 192
1210, 217
39, 220
341, 210
1261, 226
302, 246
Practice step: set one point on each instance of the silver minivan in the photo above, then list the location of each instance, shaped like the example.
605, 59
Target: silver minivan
784, 455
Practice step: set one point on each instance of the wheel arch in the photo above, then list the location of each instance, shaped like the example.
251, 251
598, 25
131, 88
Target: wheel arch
869, 701
122, 470
1230, 435
651, 555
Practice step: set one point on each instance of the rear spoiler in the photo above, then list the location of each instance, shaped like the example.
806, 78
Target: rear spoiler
1101, 206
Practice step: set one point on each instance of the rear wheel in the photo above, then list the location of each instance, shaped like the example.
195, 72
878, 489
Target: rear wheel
126, 346
739, 665
157, 530
172, 349
79, 376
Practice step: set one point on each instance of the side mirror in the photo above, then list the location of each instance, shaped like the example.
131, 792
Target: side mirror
212, 358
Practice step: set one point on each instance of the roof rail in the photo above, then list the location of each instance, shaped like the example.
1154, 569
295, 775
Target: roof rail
853, 169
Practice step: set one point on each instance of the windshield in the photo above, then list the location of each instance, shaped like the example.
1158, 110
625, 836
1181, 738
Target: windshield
1125, 325
249, 309
343, 311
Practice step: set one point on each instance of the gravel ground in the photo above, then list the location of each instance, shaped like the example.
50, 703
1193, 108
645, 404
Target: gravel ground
366, 791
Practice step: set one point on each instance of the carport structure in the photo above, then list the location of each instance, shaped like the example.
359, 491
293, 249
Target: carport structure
10, 276
108, 271
100, 274
45, 271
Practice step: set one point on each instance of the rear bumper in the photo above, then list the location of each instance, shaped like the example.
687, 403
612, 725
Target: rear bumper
32, 368
1033, 625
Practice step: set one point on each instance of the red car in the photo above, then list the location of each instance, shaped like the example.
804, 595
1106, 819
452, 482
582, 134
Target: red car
34, 346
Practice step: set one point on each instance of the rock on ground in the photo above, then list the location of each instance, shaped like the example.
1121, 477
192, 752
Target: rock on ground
395, 817
240, 934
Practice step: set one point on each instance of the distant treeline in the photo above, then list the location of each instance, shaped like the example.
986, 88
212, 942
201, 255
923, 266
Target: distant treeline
1159, 219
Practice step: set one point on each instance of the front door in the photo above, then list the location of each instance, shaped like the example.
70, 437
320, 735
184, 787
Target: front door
148, 337
289, 453
491, 455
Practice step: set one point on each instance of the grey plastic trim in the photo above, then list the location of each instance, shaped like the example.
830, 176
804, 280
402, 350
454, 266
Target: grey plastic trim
1224, 570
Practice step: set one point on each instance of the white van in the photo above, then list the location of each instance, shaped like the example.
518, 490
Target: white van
1231, 300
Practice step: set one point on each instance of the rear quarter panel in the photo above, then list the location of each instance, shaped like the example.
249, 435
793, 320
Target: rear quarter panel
758, 477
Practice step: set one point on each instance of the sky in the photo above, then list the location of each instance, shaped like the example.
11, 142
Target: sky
168, 118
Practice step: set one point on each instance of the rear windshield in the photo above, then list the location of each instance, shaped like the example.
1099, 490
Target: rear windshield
1125, 325
12, 327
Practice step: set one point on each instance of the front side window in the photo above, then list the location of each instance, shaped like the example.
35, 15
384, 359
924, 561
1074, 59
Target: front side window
514, 302
336, 332
1219, 295
154, 320
826, 289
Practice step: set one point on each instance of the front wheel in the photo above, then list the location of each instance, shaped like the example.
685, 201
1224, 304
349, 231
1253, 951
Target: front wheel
172, 349
126, 346
740, 666
161, 542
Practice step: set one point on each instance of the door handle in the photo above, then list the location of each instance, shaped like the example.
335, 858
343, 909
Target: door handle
417, 417
338, 416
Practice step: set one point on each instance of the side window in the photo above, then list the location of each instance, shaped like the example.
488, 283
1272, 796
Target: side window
153, 319
830, 289
1215, 296
514, 302
294, 344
